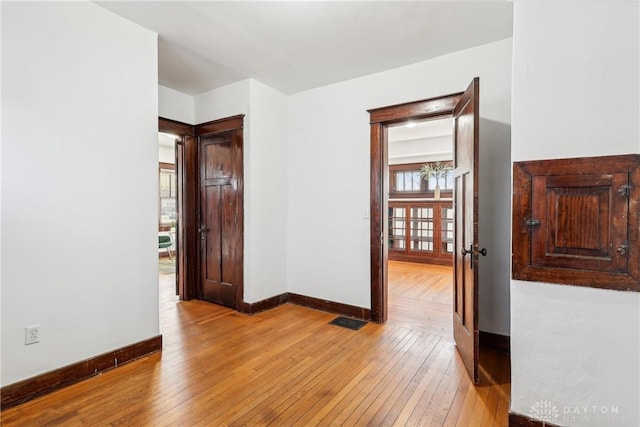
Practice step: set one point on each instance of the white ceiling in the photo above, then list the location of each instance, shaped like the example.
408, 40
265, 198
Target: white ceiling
295, 46
421, 130
422, 142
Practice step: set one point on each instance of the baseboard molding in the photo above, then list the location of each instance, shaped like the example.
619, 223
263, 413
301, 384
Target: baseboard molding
330, 306
305, 301
496, 341
519, 420
25, 390
265, 304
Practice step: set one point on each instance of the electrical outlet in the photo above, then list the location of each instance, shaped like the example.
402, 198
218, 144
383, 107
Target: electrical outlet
31, 334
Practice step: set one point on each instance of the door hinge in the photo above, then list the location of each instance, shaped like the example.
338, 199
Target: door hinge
529, 222
622, 249
381, 238
625, 190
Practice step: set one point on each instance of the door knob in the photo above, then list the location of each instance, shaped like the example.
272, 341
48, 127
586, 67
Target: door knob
464, 252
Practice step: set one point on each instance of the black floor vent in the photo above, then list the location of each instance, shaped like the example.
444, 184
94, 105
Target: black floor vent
348, 323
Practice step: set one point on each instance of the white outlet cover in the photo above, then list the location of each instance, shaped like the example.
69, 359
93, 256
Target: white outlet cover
31, 334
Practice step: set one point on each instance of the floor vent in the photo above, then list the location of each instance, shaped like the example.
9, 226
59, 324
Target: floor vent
348, 323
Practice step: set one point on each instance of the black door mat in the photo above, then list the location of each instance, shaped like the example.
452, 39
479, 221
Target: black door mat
348, 323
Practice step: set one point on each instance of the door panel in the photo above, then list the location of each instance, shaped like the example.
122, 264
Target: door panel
466, 249
228, 223
221, 233
217, 157
212, 236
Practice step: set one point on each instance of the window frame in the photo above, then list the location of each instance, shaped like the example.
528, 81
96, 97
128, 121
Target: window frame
424, 192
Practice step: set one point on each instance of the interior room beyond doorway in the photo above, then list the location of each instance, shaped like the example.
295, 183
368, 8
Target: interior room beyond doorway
167, 203
420, 224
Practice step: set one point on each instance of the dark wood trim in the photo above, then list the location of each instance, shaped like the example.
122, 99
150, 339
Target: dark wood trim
174, 127
238, 122
221, 125
495, 341
25, 390
380, 119
520, 233
445, 195
306, 301
330, 306
433, 107
265, 304
519, 420
378, 212
188, 212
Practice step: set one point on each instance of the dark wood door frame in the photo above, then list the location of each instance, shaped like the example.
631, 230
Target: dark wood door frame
186, 243
188, 236
234, 124
380, 119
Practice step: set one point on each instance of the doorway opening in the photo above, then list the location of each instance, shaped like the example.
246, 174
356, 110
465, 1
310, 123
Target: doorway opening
167, 209
463, 108
209, 209
419, 230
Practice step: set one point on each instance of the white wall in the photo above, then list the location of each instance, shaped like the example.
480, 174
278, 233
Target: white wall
79, 178
575, 94
223, 102
265, 197
176, 105
328, 238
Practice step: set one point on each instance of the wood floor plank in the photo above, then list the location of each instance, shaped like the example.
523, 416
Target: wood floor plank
396, 379
344, 395
428, 376
288, 366
362, 390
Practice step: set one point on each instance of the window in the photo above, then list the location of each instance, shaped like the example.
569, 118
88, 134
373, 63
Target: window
405, 181
446, 182
421, 228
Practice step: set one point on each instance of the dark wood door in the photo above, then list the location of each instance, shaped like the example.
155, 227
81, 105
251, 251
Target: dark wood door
220, 157
466, 250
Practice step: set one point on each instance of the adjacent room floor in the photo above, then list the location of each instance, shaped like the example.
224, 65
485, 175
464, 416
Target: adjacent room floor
289, 366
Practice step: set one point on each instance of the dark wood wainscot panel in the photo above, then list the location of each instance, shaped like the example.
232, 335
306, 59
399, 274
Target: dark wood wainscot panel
577, 221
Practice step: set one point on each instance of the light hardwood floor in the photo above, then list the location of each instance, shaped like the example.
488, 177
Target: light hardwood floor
288, 366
